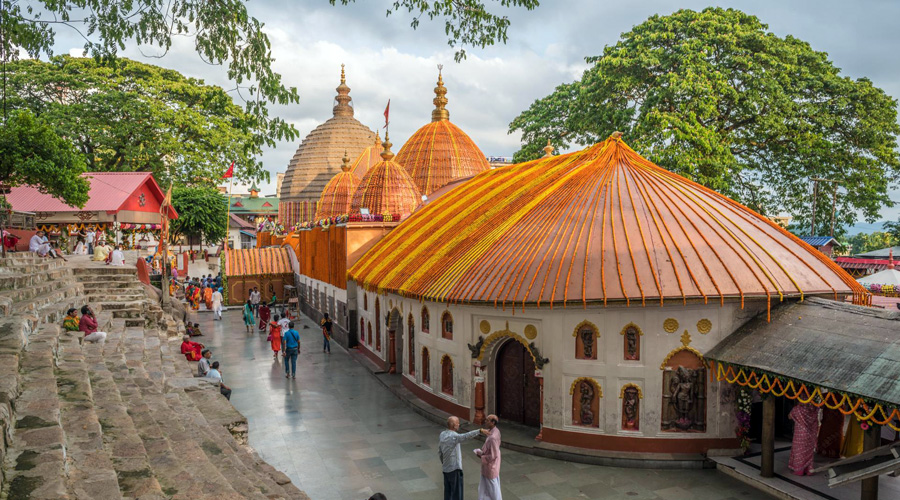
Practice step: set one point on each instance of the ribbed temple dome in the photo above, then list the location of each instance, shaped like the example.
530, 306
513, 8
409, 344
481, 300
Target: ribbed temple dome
440, 152
386, 188
338, 193
367, 159
317, 159
598, 225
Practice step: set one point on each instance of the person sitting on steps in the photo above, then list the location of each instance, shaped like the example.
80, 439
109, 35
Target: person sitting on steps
191, 350
203, 364
88, 324
70, 323
215, 375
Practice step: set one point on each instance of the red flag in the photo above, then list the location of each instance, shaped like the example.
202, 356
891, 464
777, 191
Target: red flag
229, 173
387, 112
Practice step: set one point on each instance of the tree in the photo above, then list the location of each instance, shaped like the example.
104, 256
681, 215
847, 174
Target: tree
467, 22
127, 116
31, 152
202, 212
893, 228
867, 242
715, 97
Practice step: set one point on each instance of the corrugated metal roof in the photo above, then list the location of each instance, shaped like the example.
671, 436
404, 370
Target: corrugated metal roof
108, 192
258, 261
818, 241
883, 253
839, 346
239, 223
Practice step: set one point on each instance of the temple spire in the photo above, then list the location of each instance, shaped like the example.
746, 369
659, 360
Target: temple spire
343, 107
440, 100
548, 150
387, 155
345, 162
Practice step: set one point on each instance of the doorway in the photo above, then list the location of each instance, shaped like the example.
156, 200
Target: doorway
518, 393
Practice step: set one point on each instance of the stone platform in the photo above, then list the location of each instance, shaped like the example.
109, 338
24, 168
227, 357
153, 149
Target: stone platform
124, 419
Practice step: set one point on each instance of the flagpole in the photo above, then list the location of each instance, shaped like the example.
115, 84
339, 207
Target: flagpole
228, 215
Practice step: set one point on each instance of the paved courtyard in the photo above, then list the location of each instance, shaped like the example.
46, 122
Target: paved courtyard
339, 434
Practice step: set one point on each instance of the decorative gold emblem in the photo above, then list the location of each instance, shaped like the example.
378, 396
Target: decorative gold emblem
704, 326
530, 332
670, 325
485, 326
686, 338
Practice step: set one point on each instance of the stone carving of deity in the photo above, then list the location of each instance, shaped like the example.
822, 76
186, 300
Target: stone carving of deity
587, 342
630, 409
631, 344
682, 391
587, 398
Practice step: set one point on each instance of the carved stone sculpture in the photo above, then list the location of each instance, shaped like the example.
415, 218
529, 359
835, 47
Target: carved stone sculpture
630, 402
683, 399
587, 398
631, 349
587, 342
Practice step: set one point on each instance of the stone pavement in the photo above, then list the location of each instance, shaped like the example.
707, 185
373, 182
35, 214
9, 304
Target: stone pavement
340, 434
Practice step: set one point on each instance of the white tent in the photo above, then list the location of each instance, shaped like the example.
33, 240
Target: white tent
885, 277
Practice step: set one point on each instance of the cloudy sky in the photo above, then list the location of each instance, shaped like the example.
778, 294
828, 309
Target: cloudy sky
386, 59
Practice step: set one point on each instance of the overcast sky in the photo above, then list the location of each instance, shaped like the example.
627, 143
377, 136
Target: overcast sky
386, 59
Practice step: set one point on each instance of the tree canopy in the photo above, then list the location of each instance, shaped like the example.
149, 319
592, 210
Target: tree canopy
202, 211
714, 96
31, 152
867, 242
128, 116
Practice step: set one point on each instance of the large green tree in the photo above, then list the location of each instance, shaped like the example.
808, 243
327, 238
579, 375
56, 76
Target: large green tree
867, 242
31, 152
202, 212
128, 116
716, 97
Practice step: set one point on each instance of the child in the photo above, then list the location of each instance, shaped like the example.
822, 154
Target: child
70, 323
196, 330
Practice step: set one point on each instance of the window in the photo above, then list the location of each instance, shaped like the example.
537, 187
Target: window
362, 331
447, 325
365, 301
369, 337
586, 336
426, 320
411, 326
586, 396
631, 337
426, 367
447, 375
378, 321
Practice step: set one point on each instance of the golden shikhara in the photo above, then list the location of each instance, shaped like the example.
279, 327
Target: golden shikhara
257, 262
602, 224
367, 159
440, 152
338, 193
386, 188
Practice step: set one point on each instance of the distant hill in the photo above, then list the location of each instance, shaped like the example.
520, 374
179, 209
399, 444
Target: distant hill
863, 227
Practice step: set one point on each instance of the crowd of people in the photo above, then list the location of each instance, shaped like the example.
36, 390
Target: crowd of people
41, 245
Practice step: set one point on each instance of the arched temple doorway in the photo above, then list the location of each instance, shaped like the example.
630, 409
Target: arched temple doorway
395, 341
518, 392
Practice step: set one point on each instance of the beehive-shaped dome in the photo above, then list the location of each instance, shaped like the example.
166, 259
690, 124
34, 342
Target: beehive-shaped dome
598, 225
317, 160
440, 152
338, 193
367, 159
386, 188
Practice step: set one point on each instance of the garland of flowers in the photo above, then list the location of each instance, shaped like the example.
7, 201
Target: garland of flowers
742, 407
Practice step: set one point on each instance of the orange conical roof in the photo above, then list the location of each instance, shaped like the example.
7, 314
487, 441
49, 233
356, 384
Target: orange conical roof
367, 159
386, 188
440, 152
338, 193
598, 225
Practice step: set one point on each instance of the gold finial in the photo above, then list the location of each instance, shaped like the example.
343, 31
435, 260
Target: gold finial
346, 162
615, 135
548, 150
343, 107
440, 100
377, 140
386, 155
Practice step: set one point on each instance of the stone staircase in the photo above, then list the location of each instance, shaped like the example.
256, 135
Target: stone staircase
124, 419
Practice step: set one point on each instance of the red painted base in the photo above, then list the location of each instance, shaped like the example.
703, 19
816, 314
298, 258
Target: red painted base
382, 364
634, 444
436, 401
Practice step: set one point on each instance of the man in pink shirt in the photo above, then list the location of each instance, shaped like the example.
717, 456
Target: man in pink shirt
88, 324
489, 487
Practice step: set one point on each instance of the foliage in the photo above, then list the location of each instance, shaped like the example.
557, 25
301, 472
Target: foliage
31, 152
893, 228
202, 211
222, 31
867, 242
467, 22
715, 97
128, 116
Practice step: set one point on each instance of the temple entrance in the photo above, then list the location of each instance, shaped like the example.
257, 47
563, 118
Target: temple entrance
518, 390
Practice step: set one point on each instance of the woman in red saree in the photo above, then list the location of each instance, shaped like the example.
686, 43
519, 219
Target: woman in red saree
208, 298
831, 433
263, 316
195, 298
275, 336
9, 241
803, 446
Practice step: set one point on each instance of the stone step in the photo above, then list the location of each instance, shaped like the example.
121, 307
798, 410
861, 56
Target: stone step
38, 448
107, 278
91, 472
23, 278
41, 293
58, 295
28, 260
92, 271
54, 311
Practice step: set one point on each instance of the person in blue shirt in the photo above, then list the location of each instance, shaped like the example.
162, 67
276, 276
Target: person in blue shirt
291, 350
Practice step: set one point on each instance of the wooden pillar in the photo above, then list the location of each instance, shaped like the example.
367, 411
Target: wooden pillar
479, 400
392, 351
768, 437
540, 377
871, 440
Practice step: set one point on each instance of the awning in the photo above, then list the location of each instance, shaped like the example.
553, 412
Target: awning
257, 262
822, 352
247, 233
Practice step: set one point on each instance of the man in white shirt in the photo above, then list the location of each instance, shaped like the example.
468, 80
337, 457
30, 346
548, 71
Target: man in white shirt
89, 239
203, 364
255, 297
451, 458
215, 375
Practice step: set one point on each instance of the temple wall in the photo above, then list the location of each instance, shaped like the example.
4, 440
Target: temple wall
552, 335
